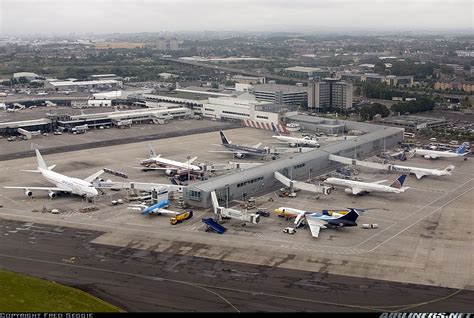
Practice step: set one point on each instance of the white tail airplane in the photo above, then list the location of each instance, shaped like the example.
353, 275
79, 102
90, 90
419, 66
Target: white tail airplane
435, 154
421, 172
293, 141
171, 167
62, 183
359, 188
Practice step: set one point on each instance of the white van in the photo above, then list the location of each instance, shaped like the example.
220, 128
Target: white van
289, 230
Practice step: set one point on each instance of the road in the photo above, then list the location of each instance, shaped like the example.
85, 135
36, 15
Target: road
146, 280
238, 71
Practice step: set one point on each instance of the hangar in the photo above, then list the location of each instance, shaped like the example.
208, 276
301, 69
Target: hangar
259, 180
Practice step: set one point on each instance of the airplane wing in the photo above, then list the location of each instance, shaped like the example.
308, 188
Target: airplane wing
419, 175
315, 225
41, 188
94, 176
257, 145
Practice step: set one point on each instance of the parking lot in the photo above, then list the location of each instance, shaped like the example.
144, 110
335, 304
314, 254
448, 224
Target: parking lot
424, 235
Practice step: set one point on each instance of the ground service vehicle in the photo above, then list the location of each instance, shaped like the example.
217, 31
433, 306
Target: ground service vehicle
289, 230
178, 218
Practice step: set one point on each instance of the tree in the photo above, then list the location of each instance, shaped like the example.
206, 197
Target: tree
445, 69
379, 67
369, 111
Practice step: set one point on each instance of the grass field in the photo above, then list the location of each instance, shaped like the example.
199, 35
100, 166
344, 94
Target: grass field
23, 293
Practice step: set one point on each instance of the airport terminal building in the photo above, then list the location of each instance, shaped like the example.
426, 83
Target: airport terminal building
259, 180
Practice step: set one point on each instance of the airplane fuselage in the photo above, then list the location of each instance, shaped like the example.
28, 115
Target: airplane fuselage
419, 172
75, 185
168, 163
298, 141
249, 150
365, 186
435, 154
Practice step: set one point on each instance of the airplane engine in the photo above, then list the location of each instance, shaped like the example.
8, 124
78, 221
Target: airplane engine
348, 191
52, 194
28, 193
240, 155
170, 172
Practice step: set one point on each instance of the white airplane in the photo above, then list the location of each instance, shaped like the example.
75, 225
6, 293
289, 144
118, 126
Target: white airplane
421, 172
359, 188
435, 154
63, 183
317, 221
171, 167
293, 141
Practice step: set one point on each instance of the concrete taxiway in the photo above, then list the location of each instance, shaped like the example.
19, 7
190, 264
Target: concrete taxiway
146, 280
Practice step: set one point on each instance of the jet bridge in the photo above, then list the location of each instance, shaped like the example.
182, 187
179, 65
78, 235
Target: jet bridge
232, 213
140, 186
302, 185
361, 163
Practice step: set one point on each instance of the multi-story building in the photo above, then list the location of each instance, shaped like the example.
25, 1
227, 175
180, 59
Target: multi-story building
454, 85
331, 93
167, 45
281, 94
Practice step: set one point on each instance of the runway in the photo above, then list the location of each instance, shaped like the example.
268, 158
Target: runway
146, 280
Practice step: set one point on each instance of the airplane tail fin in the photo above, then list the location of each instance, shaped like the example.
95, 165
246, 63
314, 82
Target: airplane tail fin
225, 141
152, 152
275, 130
40, 160
461, 149
399, 182
351, 216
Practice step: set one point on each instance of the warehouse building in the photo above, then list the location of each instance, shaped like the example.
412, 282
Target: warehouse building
414, 122
74, 85
259, 180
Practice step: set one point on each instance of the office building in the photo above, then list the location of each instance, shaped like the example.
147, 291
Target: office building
331, 93
167, 44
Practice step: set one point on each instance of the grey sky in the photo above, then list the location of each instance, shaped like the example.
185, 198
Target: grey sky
107, 16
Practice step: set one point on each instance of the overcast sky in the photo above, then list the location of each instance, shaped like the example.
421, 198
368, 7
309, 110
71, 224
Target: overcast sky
107, 16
